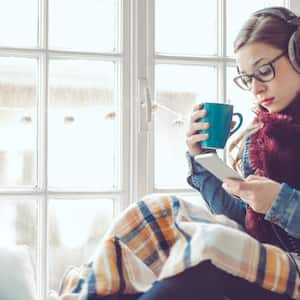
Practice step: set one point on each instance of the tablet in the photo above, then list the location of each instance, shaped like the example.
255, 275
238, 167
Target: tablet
213, 163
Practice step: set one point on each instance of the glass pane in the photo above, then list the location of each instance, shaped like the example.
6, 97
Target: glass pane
178, 88
245, 9
18, 128
18, 220
75, 229
18, 23
186, 27
83, 125
83, 25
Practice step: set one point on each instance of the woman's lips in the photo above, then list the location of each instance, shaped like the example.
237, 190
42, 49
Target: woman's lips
267, 101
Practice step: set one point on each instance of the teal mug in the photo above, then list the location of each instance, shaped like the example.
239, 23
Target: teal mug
219, 116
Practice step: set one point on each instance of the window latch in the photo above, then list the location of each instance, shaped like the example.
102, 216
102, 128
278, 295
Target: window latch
145, 105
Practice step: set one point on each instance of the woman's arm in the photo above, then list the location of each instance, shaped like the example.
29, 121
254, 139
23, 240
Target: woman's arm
218, 200
285, 211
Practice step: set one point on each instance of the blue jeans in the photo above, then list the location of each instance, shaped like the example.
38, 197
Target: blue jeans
204, 282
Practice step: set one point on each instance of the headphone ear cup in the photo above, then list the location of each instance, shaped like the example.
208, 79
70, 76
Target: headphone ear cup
294, 50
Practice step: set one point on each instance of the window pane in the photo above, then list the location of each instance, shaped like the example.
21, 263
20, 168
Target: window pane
83, 25
75, 229
18, 127
178, 88
186, 27
83, 125
18, 23
245, 9
18, 218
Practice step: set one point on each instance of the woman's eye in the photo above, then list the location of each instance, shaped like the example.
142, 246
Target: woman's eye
264, 71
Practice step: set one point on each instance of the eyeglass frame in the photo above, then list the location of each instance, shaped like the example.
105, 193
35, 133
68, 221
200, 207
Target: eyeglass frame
253, 75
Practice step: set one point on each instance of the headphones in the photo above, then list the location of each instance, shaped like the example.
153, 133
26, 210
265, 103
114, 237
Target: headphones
290, 18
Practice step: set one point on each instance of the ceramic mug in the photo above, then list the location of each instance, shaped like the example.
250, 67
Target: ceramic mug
219, 116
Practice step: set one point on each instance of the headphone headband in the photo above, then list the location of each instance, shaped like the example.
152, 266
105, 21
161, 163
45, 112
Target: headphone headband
289, 18
280, 12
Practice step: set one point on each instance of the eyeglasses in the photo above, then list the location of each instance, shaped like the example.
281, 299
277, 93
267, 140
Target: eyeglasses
263, 73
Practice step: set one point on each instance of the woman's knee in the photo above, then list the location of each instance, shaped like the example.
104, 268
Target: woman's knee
198, 280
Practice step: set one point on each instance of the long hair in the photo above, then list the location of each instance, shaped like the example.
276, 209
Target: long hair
265, 29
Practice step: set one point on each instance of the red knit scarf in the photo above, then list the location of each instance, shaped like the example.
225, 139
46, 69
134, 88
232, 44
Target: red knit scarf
274, 152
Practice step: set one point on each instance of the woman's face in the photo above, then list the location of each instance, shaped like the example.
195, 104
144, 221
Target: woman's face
278, 93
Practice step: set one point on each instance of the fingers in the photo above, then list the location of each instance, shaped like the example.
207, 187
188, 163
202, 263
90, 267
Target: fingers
238, 185
196, 126
195, 138
198, 114
231, 185
238, 188
246, 190
258, 191
255, 177
197, 106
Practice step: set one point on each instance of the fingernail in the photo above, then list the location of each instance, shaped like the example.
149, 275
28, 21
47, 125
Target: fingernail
225, 186
229, 186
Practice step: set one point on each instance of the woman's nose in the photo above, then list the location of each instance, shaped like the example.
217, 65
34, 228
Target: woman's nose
257, 86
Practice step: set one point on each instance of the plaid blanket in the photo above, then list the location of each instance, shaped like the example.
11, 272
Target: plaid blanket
161, 236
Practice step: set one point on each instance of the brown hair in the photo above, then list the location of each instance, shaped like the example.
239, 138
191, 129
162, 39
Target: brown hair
268, 30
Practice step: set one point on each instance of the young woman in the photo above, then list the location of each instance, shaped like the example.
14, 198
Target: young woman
267, 203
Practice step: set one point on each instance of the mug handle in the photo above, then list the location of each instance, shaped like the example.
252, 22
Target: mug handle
239, 125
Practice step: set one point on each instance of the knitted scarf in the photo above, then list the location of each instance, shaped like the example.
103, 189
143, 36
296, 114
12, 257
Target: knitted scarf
274, 152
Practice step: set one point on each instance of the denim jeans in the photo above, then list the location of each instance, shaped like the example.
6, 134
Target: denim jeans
204, 282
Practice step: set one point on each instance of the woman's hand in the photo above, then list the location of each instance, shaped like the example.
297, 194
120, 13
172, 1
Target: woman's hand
259, 192
192, 136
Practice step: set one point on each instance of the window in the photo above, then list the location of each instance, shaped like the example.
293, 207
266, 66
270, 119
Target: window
94, 99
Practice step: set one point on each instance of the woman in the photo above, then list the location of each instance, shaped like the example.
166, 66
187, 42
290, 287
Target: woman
270, 205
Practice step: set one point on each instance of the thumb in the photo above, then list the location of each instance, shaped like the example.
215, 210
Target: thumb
238, 185
255, 177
